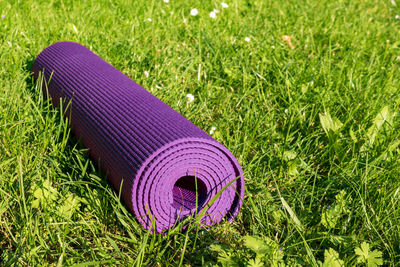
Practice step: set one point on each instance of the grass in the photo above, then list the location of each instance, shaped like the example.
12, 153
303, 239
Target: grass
315, 128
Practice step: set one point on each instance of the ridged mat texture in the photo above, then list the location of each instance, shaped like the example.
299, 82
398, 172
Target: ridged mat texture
140, 141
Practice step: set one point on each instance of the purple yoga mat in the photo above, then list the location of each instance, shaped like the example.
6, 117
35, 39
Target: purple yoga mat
140, 141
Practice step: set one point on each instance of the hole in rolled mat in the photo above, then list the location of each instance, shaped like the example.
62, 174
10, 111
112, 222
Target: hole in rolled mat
184, 193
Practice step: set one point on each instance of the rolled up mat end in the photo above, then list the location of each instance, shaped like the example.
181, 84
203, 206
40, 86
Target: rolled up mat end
174, 173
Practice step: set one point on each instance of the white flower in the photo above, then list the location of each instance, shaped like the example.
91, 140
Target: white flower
393, 2
148, 19
146, 73
166, 1
397, 17
216, 11
224, 5
213, 130
189, 98
213, 15
194, 12
247, 39
398, 58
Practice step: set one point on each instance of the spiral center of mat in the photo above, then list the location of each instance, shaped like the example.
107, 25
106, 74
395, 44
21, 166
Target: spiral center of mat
184, 193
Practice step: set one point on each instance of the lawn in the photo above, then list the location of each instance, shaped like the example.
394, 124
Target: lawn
304, 93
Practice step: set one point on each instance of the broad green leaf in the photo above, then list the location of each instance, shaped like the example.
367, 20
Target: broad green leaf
371, 258
265, 248
331, 259
329, 219
69, 206
332, 215
256, 244
44, 194
330, 124
255, 263
383, 116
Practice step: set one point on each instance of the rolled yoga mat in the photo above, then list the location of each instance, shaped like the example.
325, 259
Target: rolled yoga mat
157, 154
